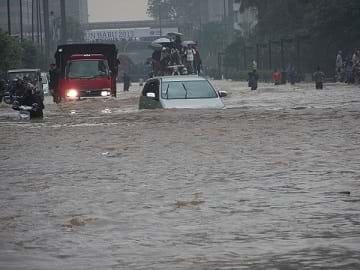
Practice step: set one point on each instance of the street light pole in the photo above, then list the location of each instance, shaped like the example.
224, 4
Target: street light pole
63, 21
46, 26
9, 17
32, 21
160, 17
21, 21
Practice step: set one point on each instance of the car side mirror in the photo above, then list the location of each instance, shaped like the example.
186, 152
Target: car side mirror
222, 94
151, 95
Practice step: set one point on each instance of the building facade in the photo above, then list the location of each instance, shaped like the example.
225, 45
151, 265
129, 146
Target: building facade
33, 15
75, 9
15, 16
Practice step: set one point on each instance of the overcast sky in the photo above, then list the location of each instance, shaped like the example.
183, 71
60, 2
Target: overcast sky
117, 10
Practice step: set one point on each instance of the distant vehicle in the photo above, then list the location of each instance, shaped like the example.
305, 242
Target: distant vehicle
180, 92
86, 70
45, 83
32, 76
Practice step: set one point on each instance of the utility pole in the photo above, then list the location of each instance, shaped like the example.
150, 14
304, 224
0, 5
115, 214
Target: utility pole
46, 26
37, 22
40, 26
282, 54
32, 21
21, 21
270, 56
160, 17
9, 17
225, 26
63, 21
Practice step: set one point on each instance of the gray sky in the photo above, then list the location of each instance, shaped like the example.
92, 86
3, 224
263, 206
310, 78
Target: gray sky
117, 10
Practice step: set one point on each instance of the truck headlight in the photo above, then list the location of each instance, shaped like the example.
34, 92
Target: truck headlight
106, 92
72, 93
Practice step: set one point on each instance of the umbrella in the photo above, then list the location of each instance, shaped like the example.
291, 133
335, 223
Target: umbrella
161, 41
174, 34
188, 42
156, 46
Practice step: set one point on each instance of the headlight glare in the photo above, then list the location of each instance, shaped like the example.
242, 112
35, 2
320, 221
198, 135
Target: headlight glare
72, 93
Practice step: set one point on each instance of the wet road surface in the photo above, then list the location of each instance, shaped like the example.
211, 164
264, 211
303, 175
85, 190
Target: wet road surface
270, 182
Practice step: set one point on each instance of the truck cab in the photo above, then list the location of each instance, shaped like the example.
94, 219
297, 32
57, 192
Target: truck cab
87, 75
86, 70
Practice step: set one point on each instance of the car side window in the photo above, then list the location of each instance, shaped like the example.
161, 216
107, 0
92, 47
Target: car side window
152, 87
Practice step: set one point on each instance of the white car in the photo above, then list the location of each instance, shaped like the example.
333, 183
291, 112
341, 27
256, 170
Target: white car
180, 92
45, 83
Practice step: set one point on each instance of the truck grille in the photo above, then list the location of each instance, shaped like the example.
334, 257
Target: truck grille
90, 93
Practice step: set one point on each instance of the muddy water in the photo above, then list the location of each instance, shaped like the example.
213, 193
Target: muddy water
271, 182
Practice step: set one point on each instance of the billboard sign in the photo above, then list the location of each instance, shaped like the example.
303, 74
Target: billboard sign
125, 34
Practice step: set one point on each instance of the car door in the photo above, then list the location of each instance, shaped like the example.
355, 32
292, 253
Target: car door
150, 98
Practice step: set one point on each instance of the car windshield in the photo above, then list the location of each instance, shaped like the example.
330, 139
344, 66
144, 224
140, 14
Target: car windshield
30, 76
87, 69
187, 90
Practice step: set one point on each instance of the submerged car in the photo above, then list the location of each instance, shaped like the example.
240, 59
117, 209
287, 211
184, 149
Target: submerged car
180, 92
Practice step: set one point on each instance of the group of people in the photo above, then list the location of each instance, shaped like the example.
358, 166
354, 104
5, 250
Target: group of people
24, 96
291, 74
348, 68
176, 58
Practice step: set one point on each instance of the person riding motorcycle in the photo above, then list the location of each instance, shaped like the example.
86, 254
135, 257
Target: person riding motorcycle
26, 96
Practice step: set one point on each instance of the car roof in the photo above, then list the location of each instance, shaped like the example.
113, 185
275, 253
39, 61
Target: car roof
23, 70
180, 78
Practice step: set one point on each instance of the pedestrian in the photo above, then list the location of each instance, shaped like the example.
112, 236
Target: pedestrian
127, 82
156, 57
349, 72
189, 52
276, 76
53, 82
197, 61
253, 79
339, 67
292, 74
2, 89
356, 66
165, 61
319, 77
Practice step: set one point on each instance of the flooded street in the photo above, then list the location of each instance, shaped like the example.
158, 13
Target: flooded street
270, 182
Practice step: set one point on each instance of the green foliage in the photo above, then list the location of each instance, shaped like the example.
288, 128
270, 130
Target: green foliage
183, 10
322, 26
10, 52
16, 54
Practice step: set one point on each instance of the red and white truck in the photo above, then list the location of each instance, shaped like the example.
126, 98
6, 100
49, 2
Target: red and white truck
86, 70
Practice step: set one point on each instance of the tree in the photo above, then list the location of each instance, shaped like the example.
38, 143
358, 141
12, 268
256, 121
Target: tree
176, 10
322, 27
10, 52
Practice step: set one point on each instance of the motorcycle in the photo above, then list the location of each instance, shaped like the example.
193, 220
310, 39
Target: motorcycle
29, 104
28, 112
9, 94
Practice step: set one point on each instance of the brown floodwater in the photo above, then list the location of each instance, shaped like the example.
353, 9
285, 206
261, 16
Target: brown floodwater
270, 182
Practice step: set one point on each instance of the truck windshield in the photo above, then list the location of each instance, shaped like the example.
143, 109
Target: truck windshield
87, 69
